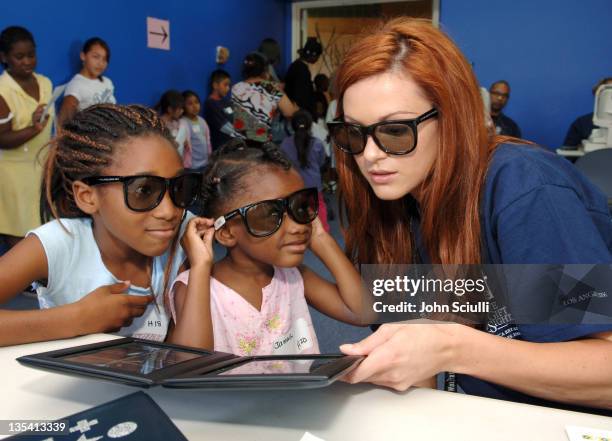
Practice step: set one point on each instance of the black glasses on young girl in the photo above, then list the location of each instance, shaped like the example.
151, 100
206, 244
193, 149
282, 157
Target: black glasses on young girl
392, 137
145, 192
264, 218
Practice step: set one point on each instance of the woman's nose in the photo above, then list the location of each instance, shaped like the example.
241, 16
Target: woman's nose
372, 152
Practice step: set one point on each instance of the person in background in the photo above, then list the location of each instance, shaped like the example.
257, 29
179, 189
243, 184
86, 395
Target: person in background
582, 127
218, 110
500, 94
171, 107
23, 95
270, 48
330, 175
199, 134
321, 96
307, 155
256, 100
298, 81
89, 86
322, 99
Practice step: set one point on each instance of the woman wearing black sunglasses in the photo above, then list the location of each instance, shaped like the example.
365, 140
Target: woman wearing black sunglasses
423, 181
114, 198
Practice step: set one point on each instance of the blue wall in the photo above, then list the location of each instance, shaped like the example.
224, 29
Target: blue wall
141, 74
552, 52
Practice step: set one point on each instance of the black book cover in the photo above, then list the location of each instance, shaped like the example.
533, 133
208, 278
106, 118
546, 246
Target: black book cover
134, 417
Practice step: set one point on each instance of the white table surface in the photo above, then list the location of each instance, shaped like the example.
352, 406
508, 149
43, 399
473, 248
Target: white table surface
339, 412
571, 153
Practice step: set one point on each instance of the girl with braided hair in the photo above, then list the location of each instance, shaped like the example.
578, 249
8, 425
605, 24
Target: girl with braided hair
114, 195
254, 300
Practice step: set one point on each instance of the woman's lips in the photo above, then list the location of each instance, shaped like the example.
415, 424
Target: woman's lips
381, 176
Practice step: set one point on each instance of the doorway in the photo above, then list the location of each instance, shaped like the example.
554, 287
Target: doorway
337, 23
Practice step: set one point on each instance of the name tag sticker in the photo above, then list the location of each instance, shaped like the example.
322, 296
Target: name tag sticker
298, 339
196, 128
152, 325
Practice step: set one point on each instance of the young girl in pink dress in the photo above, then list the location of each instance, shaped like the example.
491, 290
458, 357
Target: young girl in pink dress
254, 300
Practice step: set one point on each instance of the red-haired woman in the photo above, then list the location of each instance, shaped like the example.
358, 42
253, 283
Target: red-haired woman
475, 199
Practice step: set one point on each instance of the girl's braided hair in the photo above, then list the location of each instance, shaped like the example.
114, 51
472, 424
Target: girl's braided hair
84, 146
223, 177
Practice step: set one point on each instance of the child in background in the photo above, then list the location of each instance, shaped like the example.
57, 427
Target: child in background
321, 96
218, 110
307, 155
253, 301
23, 95
199, 134
115, 185
89, 86
256, 100
171, 107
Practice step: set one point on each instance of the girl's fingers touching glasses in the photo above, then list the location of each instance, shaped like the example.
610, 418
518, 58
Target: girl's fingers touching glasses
317, 229
197, 241
203, 223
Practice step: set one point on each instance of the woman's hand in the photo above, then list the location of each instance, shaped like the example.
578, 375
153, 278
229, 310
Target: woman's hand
198, 241
400, 355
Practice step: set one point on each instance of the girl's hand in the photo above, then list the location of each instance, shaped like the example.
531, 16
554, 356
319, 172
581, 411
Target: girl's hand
401, 355
198, 241
36, 118
318, 233
108, 309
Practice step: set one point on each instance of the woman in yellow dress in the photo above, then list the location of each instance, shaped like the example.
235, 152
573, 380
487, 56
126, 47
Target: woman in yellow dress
23, 95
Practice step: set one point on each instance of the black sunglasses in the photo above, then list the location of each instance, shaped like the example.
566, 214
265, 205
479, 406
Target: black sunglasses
145, 192
392, 137
264, 218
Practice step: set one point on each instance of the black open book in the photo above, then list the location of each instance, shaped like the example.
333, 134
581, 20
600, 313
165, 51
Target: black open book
146, 363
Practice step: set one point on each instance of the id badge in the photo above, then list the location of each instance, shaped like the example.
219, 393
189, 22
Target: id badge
297, 340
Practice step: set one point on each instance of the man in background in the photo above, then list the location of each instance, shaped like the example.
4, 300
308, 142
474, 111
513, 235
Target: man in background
582, 127
298, 81
500, 93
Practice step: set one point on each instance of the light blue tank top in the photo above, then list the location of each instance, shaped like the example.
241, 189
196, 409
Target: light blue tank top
75, 268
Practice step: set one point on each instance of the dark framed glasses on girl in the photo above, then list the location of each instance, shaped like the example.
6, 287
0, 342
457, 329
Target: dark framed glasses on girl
393, 137
145, 192
264, 218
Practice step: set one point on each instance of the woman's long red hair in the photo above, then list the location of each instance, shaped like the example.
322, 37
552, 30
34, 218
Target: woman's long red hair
449, 208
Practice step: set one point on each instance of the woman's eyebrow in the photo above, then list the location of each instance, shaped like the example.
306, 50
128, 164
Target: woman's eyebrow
402, 112
348, 118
